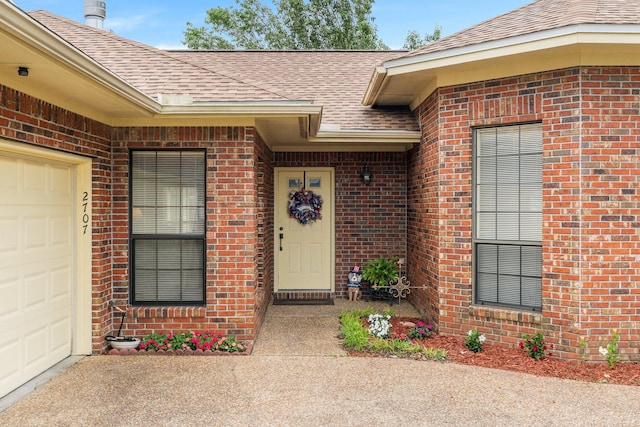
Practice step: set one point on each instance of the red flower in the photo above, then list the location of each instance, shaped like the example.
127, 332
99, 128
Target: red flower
534, 348
521, 345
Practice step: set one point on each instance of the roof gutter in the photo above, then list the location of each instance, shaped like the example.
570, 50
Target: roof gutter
263, 109
254, 109
367, 136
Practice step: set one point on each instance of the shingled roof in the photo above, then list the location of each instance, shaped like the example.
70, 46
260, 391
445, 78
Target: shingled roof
334, 79
538, 16
540, 36
150, 70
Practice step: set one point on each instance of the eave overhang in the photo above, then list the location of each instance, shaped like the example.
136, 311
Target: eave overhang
410, 80
61, 74
364, 140
64, 76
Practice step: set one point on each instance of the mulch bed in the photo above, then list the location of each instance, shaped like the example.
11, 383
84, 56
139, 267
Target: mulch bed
515, 359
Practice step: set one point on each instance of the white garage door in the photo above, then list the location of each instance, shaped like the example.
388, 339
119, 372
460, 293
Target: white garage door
35, 267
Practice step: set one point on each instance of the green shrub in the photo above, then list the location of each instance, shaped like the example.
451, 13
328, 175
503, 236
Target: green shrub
535, 346
355, 336
474, 340
438, 354
381, 271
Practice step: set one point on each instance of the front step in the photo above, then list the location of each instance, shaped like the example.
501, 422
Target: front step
303, 298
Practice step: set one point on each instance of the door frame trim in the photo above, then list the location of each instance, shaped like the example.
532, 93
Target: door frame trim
81, 310
331, 213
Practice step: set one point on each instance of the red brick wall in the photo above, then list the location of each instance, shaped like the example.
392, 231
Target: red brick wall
232, 230
591, 206
28, 120
423, 246
370, 220
265, 251
610, 196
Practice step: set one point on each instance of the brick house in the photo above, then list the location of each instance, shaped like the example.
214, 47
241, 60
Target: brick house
505, 162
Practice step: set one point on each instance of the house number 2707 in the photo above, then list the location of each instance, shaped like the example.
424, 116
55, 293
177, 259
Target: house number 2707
85, 214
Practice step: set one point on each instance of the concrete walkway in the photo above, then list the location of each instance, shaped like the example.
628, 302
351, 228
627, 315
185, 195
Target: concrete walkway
312, 330
288, 383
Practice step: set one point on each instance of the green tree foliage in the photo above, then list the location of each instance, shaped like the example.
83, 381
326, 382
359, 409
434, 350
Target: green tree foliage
290, 24
415, 41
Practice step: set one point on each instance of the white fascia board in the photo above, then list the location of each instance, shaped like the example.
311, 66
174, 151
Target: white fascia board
374, 86
29, 31
240, 109
262, 108
366, 136
557, 37
246, 109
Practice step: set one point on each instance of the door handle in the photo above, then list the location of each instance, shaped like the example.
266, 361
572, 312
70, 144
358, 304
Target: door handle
281, 237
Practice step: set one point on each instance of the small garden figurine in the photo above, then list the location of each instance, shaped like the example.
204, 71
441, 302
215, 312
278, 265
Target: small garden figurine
353, 285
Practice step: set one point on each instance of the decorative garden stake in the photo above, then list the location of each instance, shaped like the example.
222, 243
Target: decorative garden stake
401, 287
353, 285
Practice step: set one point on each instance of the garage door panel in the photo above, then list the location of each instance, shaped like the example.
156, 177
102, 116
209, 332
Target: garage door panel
10, 355
35, 345
35, 232
33, 176
59, 334
60, 177
60, 230
61, 284
8, 175
9, 299
36, 268
35, 292
9, 234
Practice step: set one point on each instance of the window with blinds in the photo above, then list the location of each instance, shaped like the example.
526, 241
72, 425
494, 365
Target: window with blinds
508, 216
167, 227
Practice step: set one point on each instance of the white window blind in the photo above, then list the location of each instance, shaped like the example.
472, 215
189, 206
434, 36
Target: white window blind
168, 226
508, 215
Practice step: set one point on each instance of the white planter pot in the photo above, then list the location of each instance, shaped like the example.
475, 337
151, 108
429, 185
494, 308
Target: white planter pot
120, 343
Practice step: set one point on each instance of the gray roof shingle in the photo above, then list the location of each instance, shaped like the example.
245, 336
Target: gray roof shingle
539, 16
336, 80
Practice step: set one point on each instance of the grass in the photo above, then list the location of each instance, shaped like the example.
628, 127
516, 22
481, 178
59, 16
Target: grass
356, 337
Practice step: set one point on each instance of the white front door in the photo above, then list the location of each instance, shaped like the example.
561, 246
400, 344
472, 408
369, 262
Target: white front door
36, 267
304, 251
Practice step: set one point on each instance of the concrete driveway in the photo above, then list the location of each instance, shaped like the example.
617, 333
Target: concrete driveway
287, 383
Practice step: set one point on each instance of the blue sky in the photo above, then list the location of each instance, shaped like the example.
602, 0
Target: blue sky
160, 23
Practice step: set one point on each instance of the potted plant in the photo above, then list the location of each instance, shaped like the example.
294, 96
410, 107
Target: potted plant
119, 342
380, 272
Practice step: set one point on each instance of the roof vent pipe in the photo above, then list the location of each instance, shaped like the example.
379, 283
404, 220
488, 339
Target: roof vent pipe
94, 13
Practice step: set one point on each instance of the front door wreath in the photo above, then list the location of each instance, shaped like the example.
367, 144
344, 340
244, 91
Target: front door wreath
305, 206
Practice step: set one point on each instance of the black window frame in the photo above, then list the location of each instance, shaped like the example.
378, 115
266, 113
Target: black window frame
135, 238
521, 263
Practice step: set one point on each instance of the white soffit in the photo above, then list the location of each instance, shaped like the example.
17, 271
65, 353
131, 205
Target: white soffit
428, 69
